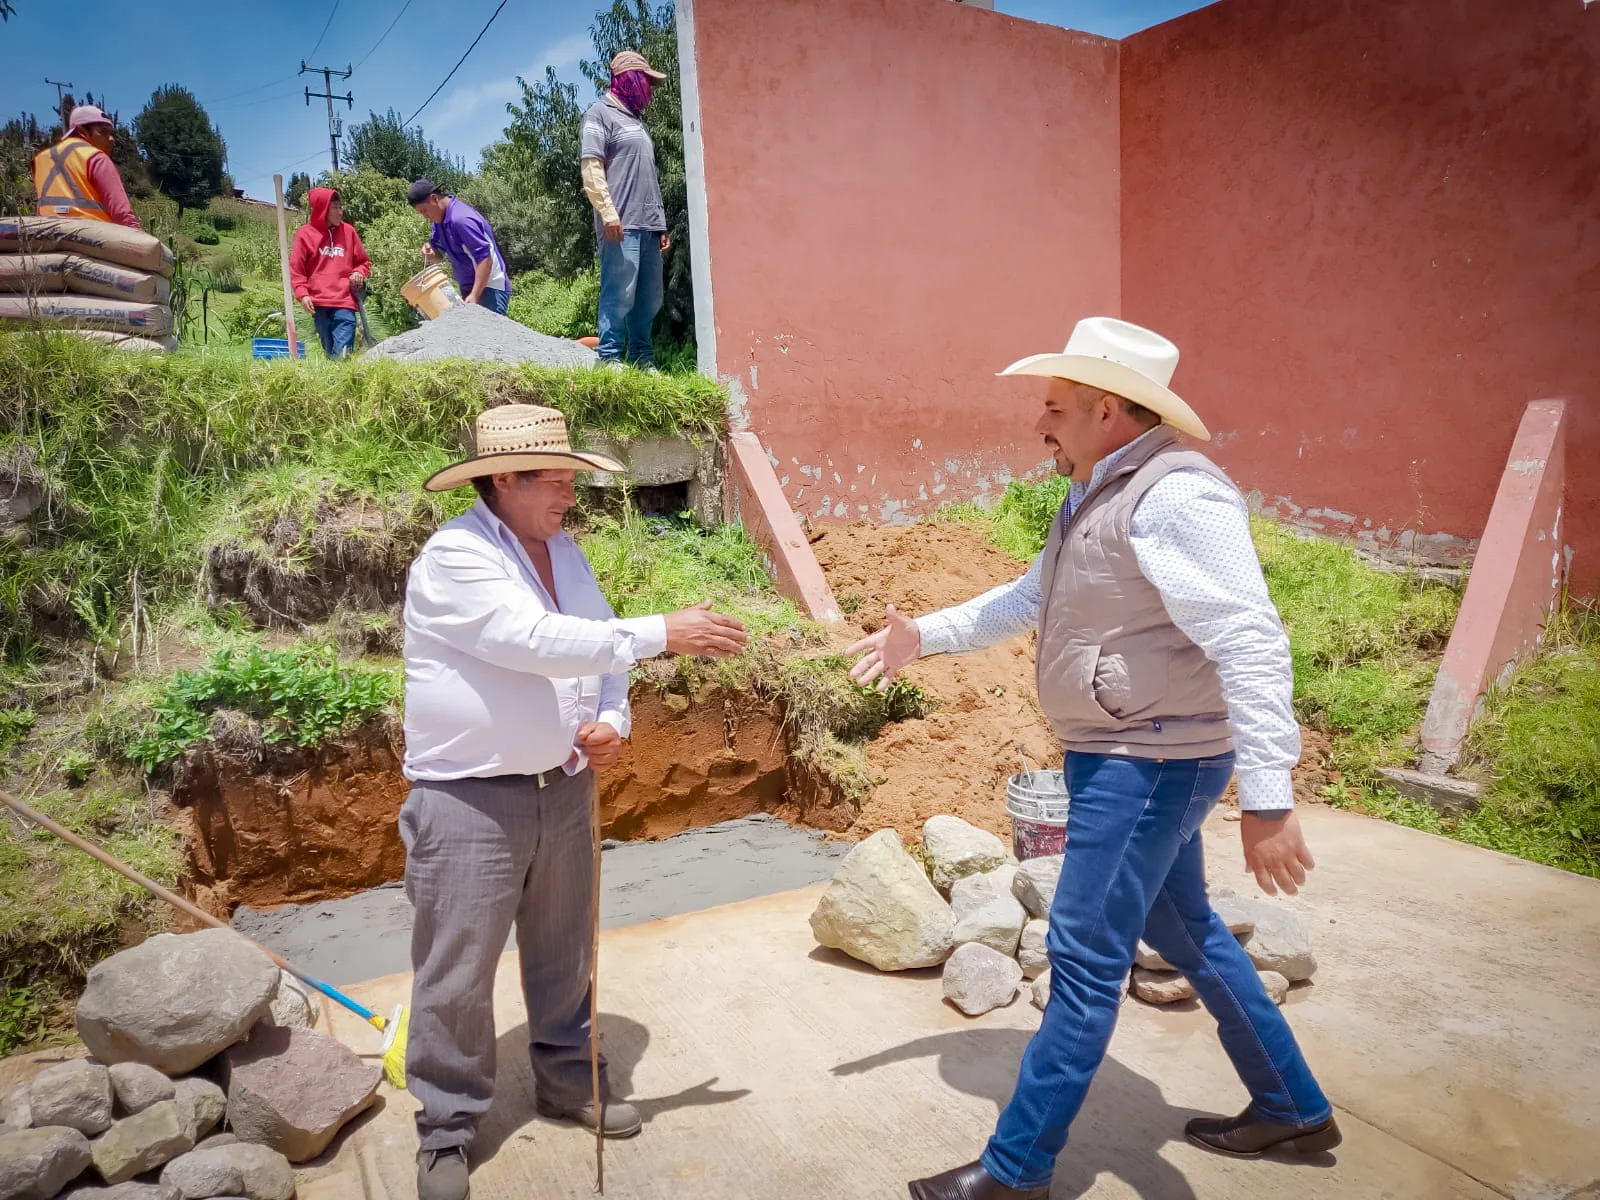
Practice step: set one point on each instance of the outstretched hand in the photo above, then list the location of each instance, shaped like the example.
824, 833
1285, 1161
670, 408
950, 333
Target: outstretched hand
1275, 852
886, 653
699, 631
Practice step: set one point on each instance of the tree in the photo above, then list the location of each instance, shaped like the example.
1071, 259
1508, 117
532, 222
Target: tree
299, 185
183, 149
383, 144
545, 132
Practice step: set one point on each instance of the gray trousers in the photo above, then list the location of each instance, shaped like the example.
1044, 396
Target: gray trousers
480, 854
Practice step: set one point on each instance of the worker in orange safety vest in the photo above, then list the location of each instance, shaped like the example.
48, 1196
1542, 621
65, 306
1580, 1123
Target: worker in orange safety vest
76, 177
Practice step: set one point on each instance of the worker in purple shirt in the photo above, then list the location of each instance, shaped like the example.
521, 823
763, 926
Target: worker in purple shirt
462, 234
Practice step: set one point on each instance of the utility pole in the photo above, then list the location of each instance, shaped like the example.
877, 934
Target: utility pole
61, 89
335, 126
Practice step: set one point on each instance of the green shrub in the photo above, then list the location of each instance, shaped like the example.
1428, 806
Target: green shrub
302, 695
565, 308
394, 243
223, 276
258, 314
15, 724
1019, 522
256, 249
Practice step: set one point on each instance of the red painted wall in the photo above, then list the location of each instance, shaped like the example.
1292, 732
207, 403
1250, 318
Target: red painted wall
903, 196
1374, 230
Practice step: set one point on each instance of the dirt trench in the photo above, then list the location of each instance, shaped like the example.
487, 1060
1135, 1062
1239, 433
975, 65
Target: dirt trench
276, 827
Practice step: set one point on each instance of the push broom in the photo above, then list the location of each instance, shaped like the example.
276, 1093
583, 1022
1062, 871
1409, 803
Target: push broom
393, 1027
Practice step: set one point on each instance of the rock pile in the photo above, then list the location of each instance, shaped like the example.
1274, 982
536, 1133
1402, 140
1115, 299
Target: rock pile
132, 1123
888, 909
472, 331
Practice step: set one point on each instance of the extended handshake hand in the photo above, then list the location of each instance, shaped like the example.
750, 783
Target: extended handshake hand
886, 653
699, 631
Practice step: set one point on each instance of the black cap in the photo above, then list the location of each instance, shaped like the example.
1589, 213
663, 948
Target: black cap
420, 190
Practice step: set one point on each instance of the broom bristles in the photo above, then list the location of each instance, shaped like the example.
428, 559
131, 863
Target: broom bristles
394, 1047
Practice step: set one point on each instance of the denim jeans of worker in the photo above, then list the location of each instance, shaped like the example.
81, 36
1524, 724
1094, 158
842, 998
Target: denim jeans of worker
630, 296
495, 299
337, 329
1134, 866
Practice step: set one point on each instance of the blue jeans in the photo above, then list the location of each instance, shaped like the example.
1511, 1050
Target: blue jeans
1135, 866
495, 299
337, 329
630, 295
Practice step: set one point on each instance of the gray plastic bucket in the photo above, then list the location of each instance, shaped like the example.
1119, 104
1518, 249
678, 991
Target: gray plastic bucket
1037, 803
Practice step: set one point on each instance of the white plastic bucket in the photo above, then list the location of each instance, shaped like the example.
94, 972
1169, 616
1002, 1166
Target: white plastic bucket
1037, 803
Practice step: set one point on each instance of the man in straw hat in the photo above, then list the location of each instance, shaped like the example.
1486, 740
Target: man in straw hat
516, 693
1164, 669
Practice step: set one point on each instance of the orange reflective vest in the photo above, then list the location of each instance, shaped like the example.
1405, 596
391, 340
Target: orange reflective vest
61, 181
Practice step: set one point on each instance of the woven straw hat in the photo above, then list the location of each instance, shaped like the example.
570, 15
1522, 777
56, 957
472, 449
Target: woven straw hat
1125, 360
632, 60
520, 437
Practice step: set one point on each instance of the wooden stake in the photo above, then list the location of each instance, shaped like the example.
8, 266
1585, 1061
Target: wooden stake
283, 266
594, 1008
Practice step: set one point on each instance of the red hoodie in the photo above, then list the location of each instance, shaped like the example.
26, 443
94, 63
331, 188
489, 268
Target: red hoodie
321, 259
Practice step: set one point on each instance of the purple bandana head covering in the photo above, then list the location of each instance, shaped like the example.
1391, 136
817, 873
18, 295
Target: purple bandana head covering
633, 89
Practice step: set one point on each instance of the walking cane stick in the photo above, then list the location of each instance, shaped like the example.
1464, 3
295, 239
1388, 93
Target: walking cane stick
594, 1007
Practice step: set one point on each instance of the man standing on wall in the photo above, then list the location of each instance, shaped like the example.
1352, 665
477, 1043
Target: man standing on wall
461, 233
1162, 666
76, 177
327, 263
618, 160
516, 693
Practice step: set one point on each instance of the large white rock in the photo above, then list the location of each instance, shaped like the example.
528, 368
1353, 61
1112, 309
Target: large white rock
1146, 956
957, 849
971, 893
998, 925
35, 1164
1279, 942
76, 1094
15, 1111
881, 909
125, 1191
977, 979
1032, 953
141, 1142
243, 1169
1236, 913
295, 1006
1040, 990
176, 1000
1035, 884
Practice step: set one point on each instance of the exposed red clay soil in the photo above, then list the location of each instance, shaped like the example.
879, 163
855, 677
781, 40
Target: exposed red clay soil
295, 827
957, 759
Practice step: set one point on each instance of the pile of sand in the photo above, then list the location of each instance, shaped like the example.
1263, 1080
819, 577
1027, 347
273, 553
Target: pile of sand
472, 331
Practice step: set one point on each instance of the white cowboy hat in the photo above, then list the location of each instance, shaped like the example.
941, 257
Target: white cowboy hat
1123, 359
520, 437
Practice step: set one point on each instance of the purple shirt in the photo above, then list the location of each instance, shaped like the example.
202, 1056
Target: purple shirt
464, 237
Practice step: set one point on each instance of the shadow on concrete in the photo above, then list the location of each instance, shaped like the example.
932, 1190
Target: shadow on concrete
623, 1041
838, 958
1120, 1130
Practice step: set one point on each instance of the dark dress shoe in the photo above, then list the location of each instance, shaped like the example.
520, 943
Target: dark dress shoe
1246, 1137
971, 1182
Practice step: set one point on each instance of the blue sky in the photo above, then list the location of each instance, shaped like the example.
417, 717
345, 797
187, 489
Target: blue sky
241, 61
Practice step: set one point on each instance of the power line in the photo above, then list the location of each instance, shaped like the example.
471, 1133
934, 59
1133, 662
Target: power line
386, 33
258, 88
324, 32
457, 67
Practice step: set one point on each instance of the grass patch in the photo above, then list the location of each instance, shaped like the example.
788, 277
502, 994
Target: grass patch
138, 450
1019, 522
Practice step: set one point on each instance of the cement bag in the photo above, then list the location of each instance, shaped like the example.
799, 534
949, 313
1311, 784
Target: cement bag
122, 341
97, 239
87, 312
85, 276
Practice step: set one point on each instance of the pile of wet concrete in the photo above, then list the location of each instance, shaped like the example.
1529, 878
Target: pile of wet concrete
968, 905
186, 1033
474, 332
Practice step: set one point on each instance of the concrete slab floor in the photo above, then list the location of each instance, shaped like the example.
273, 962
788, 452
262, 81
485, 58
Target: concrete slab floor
1453, 1023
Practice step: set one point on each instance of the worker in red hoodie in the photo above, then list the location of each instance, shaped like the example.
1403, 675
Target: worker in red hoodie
326, 262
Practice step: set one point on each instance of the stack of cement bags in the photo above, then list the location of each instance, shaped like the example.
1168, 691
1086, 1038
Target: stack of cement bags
93, 279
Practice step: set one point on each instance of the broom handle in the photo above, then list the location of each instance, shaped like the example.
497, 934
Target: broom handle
177, 901
594, 1007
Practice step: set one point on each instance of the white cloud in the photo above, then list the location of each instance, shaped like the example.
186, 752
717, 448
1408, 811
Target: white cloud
467, 101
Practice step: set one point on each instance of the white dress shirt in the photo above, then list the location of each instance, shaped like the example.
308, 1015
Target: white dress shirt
499, 673
1191, 536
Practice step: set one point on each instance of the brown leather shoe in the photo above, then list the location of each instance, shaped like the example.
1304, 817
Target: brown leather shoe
1246, 1137
971, 1182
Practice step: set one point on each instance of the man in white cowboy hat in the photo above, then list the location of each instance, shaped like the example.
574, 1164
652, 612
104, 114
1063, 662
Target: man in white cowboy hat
1164, 670
516, 693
